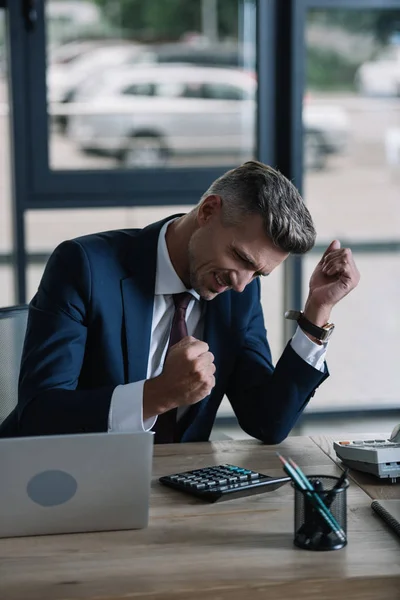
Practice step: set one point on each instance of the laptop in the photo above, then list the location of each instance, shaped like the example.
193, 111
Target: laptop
75, 483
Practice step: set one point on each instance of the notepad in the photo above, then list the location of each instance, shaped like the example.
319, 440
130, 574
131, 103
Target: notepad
389, 511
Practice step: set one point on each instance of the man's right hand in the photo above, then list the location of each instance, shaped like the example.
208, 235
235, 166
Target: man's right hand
187, 378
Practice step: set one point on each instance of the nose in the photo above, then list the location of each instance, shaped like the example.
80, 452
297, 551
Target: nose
241, 280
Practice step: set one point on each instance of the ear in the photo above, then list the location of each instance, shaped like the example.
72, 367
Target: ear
209, 209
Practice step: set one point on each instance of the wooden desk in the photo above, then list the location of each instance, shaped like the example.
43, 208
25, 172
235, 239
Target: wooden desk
237, 550
374, 487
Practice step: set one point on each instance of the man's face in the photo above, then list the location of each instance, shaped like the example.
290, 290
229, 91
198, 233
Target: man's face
223, 258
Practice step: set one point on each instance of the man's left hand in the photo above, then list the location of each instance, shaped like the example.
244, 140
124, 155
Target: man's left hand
333, 278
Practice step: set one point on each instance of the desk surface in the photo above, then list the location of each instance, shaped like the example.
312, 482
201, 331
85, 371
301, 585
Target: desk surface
191, 550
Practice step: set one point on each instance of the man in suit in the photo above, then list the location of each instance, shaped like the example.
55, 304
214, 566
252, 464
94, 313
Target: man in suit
97, 355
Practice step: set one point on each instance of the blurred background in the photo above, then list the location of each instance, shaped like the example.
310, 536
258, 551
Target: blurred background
116, 113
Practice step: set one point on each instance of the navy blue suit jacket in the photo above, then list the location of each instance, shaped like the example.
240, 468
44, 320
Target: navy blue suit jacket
89, 330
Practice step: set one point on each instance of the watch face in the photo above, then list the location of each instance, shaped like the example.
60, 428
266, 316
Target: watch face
292, 314
327, 333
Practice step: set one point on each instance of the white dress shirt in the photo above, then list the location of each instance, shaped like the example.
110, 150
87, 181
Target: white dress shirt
126, 409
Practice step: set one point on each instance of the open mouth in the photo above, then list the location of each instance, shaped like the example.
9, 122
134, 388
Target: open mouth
221, 285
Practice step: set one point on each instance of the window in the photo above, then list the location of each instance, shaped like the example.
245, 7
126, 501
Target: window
221, 91
139, 89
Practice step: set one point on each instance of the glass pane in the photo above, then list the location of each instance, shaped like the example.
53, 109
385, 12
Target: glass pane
352, 187
6, 273
7, 297
45, 229
34, 274
136, 84
363, 354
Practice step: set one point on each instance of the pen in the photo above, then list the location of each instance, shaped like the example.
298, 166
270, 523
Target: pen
314, 499
331, 494
341, 479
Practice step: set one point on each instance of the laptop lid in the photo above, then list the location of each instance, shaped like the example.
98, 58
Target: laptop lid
75, 483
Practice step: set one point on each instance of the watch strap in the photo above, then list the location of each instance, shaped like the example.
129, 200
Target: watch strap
320, 333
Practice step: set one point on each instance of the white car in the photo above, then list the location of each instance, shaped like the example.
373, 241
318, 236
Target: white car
65, 77
380, 77
145, 115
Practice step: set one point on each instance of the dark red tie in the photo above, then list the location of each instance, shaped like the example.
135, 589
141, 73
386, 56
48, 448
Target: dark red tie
166, 423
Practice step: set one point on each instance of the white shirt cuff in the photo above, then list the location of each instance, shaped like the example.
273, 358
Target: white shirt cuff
126, 409
314, 354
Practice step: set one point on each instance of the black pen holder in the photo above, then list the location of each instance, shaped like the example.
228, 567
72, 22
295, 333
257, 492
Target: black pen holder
312, 532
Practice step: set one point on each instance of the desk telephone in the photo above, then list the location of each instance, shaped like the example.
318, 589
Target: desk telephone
380, 457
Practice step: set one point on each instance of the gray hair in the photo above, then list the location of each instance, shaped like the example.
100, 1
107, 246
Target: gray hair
255, 188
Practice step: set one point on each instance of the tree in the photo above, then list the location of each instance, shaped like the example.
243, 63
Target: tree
164, 20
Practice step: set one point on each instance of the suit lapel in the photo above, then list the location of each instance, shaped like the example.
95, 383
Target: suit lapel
138, 299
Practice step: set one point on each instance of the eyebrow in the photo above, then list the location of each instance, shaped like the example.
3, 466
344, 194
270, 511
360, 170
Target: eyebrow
247, 258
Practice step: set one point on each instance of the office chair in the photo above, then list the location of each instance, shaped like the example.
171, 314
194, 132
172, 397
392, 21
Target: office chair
13, 320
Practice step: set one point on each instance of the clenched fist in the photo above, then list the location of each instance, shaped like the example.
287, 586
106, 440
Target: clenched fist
187, 378
333, 278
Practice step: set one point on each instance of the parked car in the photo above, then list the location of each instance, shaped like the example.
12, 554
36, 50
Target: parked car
380, 77
146, 115
68, 69
65, 77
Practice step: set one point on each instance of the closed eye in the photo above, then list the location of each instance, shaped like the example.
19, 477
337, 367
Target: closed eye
249, 264
243, 259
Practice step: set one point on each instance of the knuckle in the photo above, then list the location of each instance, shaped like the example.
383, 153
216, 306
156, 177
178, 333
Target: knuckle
186, 353
196, 366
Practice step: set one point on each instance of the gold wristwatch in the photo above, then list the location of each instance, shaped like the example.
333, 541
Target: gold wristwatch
320, 333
